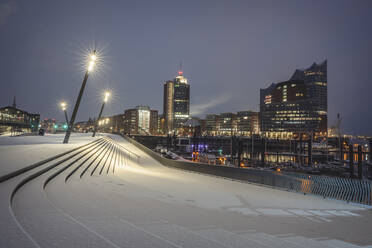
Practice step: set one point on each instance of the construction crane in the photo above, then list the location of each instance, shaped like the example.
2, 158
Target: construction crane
338, 125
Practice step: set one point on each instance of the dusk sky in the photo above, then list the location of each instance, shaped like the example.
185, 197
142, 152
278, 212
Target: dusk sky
229, 50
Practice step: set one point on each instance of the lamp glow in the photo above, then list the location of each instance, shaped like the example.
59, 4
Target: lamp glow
107, 95
92, 61
91, 65
63, 106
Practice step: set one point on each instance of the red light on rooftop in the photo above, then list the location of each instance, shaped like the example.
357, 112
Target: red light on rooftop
180, 73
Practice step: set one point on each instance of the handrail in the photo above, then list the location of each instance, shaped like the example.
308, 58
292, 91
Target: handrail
346, 189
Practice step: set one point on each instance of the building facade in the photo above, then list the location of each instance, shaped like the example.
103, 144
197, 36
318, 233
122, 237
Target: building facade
247, 123
227, 124
13, 119
48, 124
141, 120
243, 123
191, 128
154, 118
117, 123
297, 106
211, 125
84, 126
176, 103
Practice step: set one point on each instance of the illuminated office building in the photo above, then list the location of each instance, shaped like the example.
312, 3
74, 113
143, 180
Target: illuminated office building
176, 103
247, 123
227, 124
141, 120
296, 106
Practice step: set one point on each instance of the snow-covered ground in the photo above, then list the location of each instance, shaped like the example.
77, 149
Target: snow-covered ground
103, 195
19, 151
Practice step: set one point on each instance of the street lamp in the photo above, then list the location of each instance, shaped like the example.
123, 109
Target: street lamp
92, 61
105, 99
64, 106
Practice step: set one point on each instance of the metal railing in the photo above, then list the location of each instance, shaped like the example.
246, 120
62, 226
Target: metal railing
349, 190
346, 189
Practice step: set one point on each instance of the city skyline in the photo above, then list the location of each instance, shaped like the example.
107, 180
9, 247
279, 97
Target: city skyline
176, 124
226, 66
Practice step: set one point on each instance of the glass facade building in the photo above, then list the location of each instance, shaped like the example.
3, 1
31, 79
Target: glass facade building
176, 104
296, 106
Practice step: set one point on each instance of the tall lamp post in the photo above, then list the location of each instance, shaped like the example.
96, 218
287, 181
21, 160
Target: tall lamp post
92, 61
105, 99
64, 106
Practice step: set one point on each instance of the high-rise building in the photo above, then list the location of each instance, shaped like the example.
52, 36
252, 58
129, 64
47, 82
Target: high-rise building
141, 120
176, 102
296, 106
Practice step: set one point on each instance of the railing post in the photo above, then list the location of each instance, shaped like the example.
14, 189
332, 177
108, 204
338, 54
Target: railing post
360, 168
370, 150
351, 160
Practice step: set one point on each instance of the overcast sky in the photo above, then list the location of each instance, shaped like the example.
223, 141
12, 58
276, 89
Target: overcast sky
229, 50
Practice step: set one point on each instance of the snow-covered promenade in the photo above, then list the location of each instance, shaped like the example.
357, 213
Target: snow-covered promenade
105, 192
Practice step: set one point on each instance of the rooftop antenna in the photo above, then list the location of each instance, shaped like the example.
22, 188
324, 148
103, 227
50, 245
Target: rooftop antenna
180, 72
14, 102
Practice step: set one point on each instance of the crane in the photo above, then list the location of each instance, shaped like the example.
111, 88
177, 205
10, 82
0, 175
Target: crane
338, 124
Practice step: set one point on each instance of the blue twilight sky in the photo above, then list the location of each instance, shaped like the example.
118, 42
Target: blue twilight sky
229, 50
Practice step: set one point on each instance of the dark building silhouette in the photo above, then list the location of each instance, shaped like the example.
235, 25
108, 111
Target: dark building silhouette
176, 105
296, 106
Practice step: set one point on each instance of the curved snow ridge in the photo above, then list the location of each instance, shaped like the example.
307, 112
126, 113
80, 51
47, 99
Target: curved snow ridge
104, 150
35, 165
42, 171
92, 148
100, 150
28, 178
